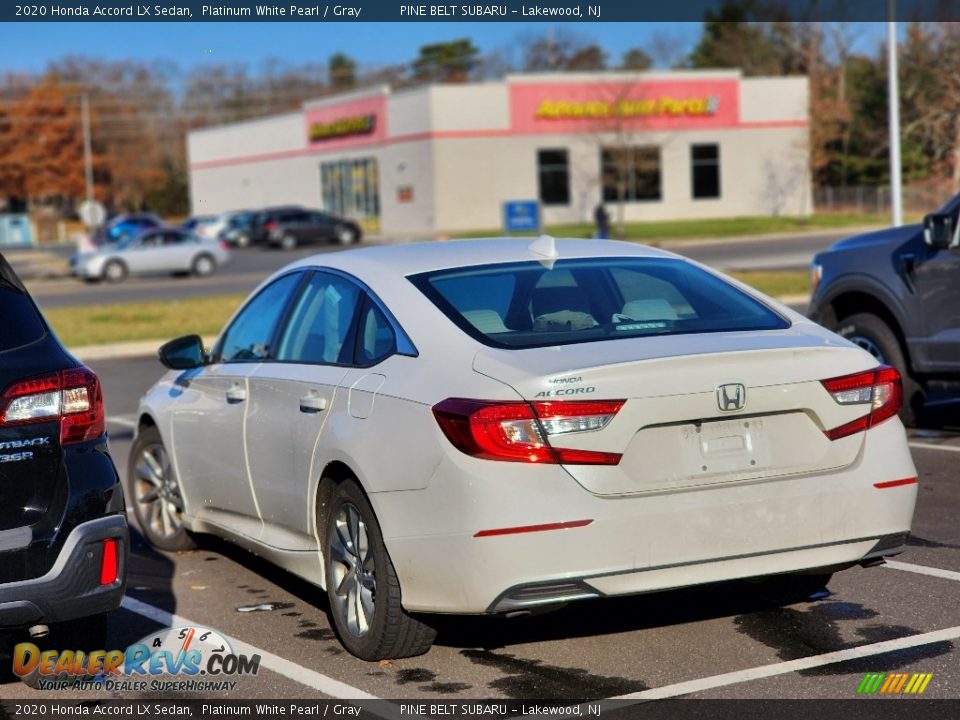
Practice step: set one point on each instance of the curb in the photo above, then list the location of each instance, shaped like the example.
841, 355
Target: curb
769, 237
121, 351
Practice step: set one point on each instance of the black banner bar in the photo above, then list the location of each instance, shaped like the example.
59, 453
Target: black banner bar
552, 11
901, 708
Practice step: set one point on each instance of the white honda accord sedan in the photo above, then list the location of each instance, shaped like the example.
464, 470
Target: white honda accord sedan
493, 426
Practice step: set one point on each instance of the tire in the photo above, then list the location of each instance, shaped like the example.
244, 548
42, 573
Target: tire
788, 588
115, 271
379, 628
203, 266
155, 493
345, 236
875, 336
288, 242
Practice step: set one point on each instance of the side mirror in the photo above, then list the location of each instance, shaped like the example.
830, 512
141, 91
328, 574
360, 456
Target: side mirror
938, 231
183, 353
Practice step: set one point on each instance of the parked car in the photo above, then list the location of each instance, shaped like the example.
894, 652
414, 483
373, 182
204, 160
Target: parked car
202, 225
63, 526
303, 227
237, 227
159, 250
122, 227
220, 226
258, 231
495, 426
896, 293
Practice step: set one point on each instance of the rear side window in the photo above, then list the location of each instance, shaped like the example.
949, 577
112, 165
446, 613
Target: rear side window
21, 323
319, 329
524, 305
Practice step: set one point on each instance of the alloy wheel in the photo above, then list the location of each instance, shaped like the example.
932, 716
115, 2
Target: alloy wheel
353, 571
157, 493
869, 345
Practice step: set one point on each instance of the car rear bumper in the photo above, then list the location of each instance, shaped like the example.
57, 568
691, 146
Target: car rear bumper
71, 589
632, 544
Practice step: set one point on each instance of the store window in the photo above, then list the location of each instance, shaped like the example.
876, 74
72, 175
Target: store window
350, 190
553, 169
705, 171
633, 173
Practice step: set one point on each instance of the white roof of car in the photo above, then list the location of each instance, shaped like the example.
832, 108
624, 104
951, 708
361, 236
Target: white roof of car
413, 258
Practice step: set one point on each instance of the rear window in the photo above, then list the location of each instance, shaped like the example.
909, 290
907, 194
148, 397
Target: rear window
525, 305
21, 324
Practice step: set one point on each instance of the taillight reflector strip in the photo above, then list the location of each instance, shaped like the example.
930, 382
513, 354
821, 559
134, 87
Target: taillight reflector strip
879, 389
518, 431
533, 528
108, 563
895, 483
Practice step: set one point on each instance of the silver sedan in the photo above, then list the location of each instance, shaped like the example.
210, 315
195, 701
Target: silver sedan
157, 250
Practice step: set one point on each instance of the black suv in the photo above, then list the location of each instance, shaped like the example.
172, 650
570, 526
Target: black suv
290, 227
896, 293
63, 529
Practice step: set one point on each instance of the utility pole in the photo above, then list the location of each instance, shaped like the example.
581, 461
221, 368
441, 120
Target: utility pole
893, 100
87, 151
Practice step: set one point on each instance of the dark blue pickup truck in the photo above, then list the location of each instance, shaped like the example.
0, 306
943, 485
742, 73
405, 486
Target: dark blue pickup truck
896, 293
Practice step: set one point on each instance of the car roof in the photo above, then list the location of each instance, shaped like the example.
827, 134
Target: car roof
413, 258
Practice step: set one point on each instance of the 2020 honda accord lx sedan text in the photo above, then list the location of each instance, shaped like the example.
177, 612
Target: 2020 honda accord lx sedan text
491, 426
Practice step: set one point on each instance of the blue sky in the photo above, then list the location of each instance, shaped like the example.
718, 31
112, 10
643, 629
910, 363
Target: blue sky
30, 46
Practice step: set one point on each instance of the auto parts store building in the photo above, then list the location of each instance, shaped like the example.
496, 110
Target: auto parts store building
444, 158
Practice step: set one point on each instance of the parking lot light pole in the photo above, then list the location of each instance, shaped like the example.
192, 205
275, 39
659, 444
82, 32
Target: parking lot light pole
87, 151
893, 100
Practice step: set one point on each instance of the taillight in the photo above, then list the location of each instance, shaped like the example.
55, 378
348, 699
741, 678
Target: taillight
878, 390
269, 226
72, 396
224, 244
520, 431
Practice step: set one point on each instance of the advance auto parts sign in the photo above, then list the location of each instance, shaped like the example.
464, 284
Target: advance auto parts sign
348, 123
344, 127
641, 105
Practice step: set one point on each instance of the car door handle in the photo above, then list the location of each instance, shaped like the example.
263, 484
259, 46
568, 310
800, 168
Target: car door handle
236, 394
312, 403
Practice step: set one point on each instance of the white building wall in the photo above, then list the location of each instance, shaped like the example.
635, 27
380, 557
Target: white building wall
774, 99
470, 107
407, 164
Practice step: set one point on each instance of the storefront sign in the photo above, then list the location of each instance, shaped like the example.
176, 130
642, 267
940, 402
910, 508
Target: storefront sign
344, 127
615, 106
521, 216
361, 121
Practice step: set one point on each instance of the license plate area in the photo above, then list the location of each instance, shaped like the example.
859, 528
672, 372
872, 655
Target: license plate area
724, 447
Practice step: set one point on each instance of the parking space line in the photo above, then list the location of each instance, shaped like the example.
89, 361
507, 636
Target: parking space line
281, 666
923, 570
931, 446
791, 666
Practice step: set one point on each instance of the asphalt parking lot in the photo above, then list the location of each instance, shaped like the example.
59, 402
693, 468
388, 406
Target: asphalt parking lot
704, 642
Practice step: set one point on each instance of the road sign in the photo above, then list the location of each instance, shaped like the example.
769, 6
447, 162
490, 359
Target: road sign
521, 216
92, 213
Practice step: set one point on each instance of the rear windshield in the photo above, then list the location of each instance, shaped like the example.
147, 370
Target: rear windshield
525, 305
21, 324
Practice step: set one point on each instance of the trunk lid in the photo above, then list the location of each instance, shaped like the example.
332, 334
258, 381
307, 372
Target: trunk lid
671, 432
